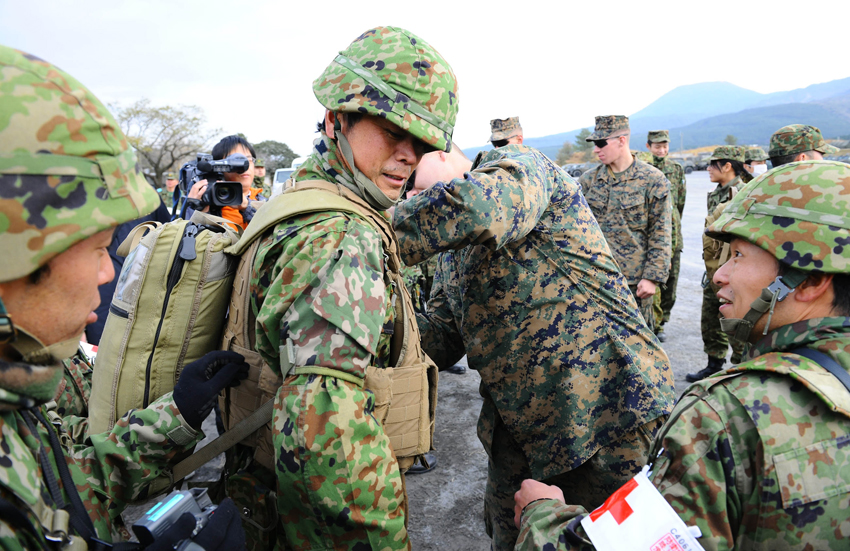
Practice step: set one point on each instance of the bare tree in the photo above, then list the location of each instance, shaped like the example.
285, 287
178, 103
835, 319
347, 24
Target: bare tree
164, 137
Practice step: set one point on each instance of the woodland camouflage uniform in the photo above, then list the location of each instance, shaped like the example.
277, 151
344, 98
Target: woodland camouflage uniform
633, 210
56, 189
756, 456
320, 282
572, 379
665, 297
716, 343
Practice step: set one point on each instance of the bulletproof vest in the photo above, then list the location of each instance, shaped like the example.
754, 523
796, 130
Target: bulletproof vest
405, 390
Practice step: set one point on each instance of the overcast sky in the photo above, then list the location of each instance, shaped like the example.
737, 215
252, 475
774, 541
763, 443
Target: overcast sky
555, 64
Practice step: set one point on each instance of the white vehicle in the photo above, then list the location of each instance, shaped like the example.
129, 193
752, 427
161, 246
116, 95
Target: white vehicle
281, 175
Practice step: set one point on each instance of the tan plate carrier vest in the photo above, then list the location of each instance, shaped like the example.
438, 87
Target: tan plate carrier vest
405, 392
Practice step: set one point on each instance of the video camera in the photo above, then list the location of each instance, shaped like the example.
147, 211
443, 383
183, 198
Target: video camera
219, 193
162, 516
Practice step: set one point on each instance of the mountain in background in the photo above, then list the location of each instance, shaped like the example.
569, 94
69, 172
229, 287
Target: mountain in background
703, 114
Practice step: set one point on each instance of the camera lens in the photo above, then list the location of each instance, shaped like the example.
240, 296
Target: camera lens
224, 195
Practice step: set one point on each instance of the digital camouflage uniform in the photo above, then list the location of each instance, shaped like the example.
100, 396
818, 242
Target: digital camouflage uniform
633, 209
716, 343
665, 298
319, 280
573, 381
419, 279
79, 178
755, 457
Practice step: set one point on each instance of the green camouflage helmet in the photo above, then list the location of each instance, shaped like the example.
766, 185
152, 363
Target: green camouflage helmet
797, 212
66, 169
392, 73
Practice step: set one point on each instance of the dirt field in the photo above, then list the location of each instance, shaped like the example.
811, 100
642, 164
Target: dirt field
446, 505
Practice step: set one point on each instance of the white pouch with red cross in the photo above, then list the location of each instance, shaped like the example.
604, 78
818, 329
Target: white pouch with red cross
638, 518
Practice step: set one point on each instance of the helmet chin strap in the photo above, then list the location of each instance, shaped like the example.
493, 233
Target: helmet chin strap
366, 188
781, 287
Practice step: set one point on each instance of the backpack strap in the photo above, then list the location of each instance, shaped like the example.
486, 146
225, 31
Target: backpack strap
135, 235
224, 442
825, 362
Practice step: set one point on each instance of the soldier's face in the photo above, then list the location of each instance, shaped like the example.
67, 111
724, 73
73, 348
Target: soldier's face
385, 153
170, 185
259, 171
60, 305
748, 270
659, 149
612, 150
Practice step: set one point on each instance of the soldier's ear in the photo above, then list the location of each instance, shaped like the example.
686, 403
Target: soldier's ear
330, 120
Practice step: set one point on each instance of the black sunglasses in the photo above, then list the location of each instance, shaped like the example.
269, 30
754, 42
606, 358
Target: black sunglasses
602, 143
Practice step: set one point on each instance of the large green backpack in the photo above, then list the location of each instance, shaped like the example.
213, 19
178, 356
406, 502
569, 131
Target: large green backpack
168, 310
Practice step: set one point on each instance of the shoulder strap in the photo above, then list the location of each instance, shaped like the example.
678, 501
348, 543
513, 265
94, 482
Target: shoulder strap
16, 518
825, 362
245, 428
135, 236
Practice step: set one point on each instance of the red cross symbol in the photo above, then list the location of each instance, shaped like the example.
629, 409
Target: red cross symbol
616, 504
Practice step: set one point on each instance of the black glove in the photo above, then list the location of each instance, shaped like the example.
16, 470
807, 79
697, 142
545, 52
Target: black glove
223, 531
203, 380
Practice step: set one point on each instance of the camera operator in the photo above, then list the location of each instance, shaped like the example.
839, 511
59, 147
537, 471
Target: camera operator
233, 145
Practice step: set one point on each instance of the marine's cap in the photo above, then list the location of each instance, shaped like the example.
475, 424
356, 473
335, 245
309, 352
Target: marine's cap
728, 153
754, 154
503, 129
798, 212
170, 175
608, 126
658, 136
798, 138
67, 171
392, 73
259, 163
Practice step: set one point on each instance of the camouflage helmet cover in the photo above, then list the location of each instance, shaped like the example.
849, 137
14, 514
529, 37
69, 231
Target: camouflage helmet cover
392, 73
66, 169
799, 138
259, 163
504, 129
797, 212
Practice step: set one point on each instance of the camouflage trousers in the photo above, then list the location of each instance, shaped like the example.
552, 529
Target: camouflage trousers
339, 485
715, 342
665, 298
645, 307
589, 484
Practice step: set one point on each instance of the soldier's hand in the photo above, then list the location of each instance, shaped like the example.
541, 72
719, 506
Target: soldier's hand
203, 380
531, 490
645, 288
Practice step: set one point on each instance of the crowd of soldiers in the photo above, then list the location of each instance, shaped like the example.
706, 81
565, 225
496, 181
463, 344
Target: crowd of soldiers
554, 290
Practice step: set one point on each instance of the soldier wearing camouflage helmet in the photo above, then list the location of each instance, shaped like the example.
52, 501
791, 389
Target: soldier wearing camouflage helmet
260, 178
798, 142
505, 132
166, 192
320, 287
754, 457
67, 178
658, 144
574, 383
725, 168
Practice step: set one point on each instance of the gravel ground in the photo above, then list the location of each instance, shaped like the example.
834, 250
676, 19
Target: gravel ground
446, 505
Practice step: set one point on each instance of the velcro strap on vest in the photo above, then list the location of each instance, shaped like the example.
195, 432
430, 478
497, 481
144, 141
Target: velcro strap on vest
326, 372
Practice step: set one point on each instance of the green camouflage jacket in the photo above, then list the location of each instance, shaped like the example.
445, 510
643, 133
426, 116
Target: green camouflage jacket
755, 456
675, 174
722, 194
109, 470
633, 210
302, 280
72, 402
532, 294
